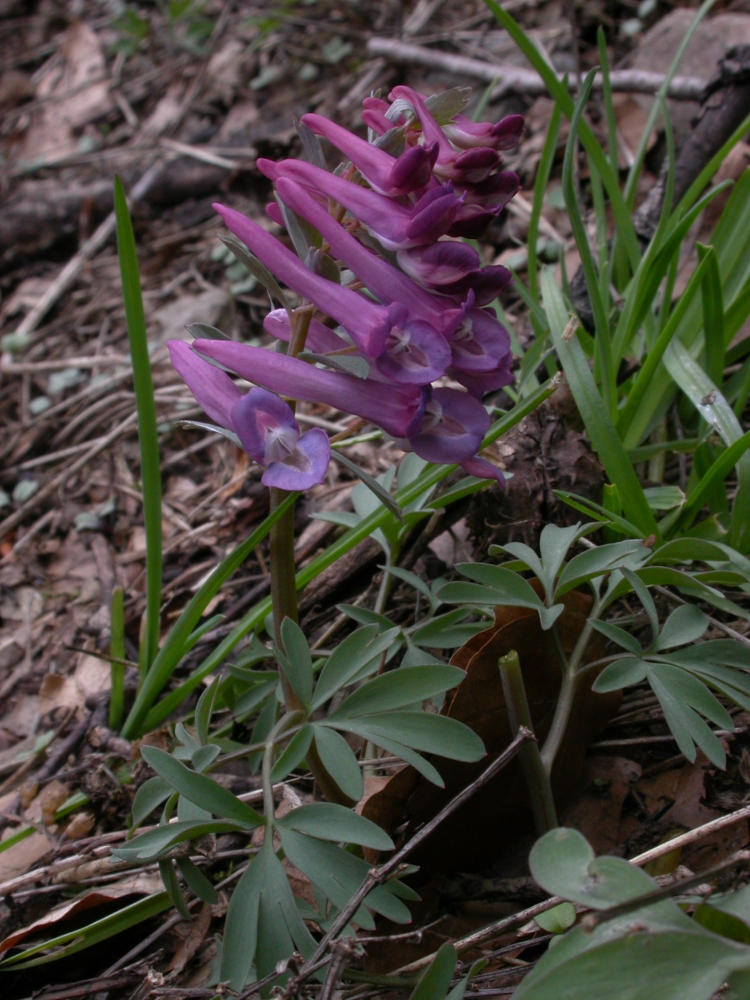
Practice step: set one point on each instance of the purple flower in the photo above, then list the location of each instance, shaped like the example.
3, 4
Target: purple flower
480, 383
398, 409
213, 388
495, 192
414, 350
264, 423
268, 431
454, 269
396, 226
453, 428
375, 115
321, 339
480, 343
470, 166
505, 134
367, 323
387, 174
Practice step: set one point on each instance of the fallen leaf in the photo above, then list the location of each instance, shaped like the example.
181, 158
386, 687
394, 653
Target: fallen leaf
92, 676
141, 884
19, 858
75, 91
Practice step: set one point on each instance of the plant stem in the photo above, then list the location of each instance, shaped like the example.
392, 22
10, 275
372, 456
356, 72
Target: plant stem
571, 674
537, 778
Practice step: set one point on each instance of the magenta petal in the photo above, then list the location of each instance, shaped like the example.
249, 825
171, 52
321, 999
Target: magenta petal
453, 428
321, 339
433, 214
398, 410
471, 221
483, 469
373, 163
273, 211
305, 467
385, 218
213, 389
505, 134
382, 279
430, 129
367, 323
413, 169
494, 192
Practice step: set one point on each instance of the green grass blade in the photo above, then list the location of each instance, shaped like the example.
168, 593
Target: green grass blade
255, 618
714, 477
713, 316
172, 651
603, 352
540, 189
631, 430
609, 107
598, 423
716, 411
117, 652
85, 937
146, 407
562, 97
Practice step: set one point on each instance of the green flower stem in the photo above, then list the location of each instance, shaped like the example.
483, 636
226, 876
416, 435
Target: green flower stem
572, 672
535, 773
284, 723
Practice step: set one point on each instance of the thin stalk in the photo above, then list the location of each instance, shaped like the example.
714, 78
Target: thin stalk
391, 558
537, 778
571, 676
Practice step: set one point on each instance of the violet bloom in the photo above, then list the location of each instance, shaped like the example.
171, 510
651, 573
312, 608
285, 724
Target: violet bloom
321, 339
480, 383
453, 428
480, 343
398, 410
470, 166
505, 134
389, 175
367, 323
396, 226
264, 424
414, 350
454, 268
375, 115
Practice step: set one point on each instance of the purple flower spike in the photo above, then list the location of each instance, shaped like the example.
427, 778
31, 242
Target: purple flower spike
268, 431
320, 338
505, 134
399, 410
394, 225
480, 343
415, 351
388, 175
213, 389
368, 324
483, 469
453, 428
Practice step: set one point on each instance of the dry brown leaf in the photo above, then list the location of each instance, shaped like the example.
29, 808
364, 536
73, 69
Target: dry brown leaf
141, 884
598, 811
76, 92
19, 858
92, 676
499, 813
